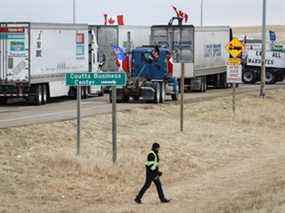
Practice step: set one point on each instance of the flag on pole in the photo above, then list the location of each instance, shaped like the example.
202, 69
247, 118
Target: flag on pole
114, 20
180, 14
120, 55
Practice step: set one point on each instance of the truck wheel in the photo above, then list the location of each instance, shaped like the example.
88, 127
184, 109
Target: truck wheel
44, 94
38, 98
3, 100
174, 96
157, 94
248, 77
204, 84
84, 92
162, 92
269, 78
101, 92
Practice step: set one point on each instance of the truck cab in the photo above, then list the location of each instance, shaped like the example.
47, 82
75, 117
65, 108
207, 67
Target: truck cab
151, 76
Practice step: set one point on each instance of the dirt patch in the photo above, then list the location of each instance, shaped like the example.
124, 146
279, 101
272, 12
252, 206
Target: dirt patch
221, 163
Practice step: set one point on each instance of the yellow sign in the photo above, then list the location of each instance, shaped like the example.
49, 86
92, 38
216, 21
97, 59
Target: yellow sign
235, 48
234, 61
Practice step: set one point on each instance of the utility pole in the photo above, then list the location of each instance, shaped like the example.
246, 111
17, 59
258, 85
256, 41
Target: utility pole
202, 12
74, 11
263, 68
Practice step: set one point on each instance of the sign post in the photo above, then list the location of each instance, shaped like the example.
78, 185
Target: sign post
78, 118
114, 122
113, 79
234, 69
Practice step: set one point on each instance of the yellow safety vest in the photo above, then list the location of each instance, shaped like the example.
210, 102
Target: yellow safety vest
153, 164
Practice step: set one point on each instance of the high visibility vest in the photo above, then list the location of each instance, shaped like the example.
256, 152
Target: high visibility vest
153, 164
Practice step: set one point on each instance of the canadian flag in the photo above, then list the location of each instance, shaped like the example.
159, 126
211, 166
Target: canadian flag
114, 20
181, 14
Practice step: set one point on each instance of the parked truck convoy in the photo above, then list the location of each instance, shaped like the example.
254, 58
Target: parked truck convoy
34, 58
274, 62
202, 49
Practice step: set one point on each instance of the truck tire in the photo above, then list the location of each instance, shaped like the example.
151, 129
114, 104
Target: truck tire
157, 94
38, 97
174, 96
269, 78
3, 100
84, 93
249, 77
204, 84
44, 94
162, 92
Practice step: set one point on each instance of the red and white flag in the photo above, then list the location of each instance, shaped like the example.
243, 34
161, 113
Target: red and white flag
181, 14
114, 20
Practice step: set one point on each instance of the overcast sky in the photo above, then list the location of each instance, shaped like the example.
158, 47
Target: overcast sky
143, 12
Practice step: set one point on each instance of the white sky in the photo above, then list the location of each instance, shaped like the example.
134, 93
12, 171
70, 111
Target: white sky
144, 12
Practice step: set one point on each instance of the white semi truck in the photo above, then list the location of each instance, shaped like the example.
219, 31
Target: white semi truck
274, 62
34, 58
201, 48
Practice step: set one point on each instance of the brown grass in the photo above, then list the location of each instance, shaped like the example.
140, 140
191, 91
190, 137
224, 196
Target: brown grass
221, 163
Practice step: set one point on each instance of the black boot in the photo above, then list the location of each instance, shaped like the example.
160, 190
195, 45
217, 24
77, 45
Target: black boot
165, 200
137, 200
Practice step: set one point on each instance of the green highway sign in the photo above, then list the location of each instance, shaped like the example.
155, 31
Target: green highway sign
96, 79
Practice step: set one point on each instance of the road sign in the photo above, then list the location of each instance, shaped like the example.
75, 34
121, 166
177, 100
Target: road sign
235, 48
234, 73
234, 61
96, 79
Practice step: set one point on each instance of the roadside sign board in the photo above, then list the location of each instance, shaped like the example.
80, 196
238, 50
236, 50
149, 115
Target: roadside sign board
234, 61
234, 73
235, 48
96, 79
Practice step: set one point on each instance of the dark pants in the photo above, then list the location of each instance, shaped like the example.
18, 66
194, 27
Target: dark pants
151, 177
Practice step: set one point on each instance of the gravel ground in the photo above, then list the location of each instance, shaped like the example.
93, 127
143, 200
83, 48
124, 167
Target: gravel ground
221, 163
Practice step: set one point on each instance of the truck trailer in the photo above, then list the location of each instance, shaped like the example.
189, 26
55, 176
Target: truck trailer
34, 58
127, 37
201, 49
274, 63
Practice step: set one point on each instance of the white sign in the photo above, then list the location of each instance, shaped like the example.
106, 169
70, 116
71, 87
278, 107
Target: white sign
234, 73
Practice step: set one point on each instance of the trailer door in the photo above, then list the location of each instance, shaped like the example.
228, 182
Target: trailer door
14, 53
107, 36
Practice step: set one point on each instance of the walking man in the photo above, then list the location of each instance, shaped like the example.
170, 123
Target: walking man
152, 175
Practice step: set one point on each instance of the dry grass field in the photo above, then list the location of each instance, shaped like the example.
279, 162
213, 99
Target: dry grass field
221, 163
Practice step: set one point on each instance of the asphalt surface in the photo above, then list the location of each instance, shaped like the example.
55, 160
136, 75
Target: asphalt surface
19, 114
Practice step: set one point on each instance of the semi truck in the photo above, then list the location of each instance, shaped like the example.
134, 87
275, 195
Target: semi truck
127, 37
201, 49
34, 58
274, 63
150, 78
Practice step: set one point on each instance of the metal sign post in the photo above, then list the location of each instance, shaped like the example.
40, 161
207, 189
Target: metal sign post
113, 79
234, 75
114, 122
182, 97
234, 69
234, 98
78, 118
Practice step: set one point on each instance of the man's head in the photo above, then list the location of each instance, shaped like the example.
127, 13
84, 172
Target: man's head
155, 147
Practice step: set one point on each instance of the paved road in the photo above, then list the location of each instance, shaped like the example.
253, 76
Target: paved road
19, 114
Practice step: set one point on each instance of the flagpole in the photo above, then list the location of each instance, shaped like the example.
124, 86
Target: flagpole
74, 11
202, 11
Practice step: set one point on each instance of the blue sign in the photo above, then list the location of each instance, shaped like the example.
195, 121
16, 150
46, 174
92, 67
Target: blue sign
272, 36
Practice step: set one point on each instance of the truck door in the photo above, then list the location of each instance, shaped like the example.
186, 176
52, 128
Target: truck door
14, 53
